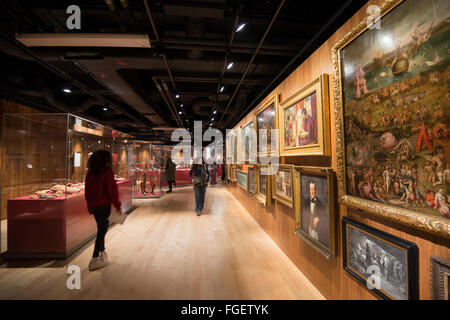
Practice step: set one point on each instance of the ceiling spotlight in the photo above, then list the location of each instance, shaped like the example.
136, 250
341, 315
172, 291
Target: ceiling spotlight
182, 105
222, 88
230, 65
67, 90
105, 109
179, 112
240, 27
177, 96
215, 111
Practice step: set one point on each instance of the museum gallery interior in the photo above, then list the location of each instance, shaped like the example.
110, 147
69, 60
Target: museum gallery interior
330, 179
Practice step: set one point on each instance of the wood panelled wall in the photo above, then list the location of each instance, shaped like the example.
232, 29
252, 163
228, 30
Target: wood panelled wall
10, 107
279, 221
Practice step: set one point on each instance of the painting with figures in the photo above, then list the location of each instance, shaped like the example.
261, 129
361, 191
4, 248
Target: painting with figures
282, 184
300, 123
385, 263
263, 184
265, 120
251, 180
395, 91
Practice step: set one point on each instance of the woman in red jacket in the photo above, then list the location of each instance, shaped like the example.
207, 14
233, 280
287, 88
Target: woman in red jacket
100, 192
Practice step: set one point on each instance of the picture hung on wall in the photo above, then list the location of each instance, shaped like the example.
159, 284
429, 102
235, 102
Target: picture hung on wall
282, 183
247, 143
266, 119
262, 187
440, 278
315, 214
386, 264
251, 180
242, 179
305, 122
392, 115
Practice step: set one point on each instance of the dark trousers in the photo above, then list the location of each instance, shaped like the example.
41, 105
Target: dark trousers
199, 197
170, 184
101, 215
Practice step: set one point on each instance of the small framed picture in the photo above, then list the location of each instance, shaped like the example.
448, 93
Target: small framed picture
315, 220
263, 185
440, 278
251, 180
242, 179
282, 182
386, 264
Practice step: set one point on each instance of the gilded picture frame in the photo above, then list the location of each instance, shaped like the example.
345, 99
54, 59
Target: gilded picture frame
247, 132
303, 176
270, 101
288, 201
242, 175
318, 95
440, 278
413, 218
251, 180
262, 197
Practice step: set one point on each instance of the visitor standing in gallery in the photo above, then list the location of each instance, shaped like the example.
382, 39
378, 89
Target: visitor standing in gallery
101, 192
200, 177
170, 172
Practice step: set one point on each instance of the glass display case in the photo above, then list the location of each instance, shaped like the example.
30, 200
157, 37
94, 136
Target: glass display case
148, 171
44, 165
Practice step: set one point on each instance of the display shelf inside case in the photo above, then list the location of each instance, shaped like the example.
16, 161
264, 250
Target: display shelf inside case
44, 165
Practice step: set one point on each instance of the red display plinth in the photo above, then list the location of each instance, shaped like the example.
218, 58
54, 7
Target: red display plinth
54, 227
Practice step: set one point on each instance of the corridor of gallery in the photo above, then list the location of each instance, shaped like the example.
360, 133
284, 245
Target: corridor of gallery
165, 251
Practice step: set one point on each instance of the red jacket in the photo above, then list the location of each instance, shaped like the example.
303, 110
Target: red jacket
101, 190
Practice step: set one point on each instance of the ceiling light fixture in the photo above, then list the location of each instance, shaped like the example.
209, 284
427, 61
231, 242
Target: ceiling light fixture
215, 111
240, 27
105, 109
180, 112
222, 88
177, 96
67, 90
230, 65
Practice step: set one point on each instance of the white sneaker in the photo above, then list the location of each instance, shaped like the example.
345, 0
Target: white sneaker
97, 263
104, 255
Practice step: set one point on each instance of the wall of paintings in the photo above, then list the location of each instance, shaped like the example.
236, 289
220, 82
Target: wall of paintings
364, 131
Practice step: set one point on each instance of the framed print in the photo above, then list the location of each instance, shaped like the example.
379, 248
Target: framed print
392, 115
440, 278
242, 179
262, 187
315, 208
233, 173
304, 120
247, 143
266, 119
386, 264
282, 183
251, 180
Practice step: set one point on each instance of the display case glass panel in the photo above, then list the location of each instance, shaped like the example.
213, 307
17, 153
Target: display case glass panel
44, 165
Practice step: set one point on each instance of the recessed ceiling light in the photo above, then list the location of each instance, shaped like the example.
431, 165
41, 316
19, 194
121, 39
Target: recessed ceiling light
230, 65
180, 112
222, 88
181, 105
177, 96
105, 109
240, 27
215, 111
67, 90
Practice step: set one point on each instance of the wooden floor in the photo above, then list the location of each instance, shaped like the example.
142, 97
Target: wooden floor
164, 251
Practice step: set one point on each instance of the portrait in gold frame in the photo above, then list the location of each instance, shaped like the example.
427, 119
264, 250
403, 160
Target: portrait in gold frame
262, 113
314, 101
406, 216
303, 176
263, 197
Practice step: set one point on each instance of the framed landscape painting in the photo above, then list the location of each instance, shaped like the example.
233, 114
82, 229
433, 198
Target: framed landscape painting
315, 209
386, 264
282, 183
392, 115
266, 119
305, 122
242, 179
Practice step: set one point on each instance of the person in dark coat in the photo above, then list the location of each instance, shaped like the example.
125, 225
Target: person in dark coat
170, 172
315, 219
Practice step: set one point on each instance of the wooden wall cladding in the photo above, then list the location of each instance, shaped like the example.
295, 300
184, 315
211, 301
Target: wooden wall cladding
9, 107
279, 221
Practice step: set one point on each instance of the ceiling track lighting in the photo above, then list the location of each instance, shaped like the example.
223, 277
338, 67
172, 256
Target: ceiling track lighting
67, 90
241, 27
230, 65
222, 88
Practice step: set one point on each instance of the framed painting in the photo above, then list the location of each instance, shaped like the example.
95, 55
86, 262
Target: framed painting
282, 183
266, 119
304, 120
386, 264
242, 179
392, 115
251, 180
440, 278
248, 153
315, 209
233, 173
262, 187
